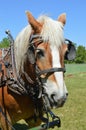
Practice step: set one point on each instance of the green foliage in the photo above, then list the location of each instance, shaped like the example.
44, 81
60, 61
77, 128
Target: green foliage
4, 43
80, 55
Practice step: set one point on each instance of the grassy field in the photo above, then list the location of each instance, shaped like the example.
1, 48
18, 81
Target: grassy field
73, 113
75, 68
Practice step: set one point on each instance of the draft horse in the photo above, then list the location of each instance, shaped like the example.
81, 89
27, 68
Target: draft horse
32, 80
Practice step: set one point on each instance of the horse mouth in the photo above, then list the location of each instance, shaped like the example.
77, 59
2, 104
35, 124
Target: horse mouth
52, 103
57, 104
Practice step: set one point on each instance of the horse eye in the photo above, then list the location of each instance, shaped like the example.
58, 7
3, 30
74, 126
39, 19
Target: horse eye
39, 53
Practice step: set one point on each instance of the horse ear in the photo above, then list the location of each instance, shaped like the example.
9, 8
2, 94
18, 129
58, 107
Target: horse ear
62, 18
36, 26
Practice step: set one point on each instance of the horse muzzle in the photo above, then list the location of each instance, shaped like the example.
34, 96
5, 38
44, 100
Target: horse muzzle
53, 102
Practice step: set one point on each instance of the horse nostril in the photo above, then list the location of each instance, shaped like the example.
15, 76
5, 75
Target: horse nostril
66, 94
52, 95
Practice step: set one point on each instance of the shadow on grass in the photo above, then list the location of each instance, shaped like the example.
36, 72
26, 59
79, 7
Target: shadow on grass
19, 126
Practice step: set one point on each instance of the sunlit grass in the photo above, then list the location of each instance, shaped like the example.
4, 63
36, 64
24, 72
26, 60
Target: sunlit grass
75, 68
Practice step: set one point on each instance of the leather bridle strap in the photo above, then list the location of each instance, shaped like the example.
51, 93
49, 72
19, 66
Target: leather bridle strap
50, 71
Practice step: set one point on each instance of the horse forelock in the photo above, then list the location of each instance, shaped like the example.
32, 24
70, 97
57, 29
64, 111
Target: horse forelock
52, 31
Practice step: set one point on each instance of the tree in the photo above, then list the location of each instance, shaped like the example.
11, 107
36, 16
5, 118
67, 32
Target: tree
80, 54
4, 43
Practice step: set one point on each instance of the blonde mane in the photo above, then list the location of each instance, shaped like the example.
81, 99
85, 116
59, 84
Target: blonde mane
52, 31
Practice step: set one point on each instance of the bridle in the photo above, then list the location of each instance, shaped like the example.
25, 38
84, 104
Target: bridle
34, 41
35, 88
32, 48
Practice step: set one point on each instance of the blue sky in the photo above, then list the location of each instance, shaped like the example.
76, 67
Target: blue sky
13, 17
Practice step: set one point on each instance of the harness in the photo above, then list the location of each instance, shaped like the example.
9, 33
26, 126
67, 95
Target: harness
17, 85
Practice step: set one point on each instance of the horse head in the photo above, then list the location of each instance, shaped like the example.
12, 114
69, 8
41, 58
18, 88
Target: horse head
42, 43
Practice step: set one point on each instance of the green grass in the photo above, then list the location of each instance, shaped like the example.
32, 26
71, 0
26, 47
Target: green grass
75, 68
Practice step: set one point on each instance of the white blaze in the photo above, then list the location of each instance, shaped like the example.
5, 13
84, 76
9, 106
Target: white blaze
58, 75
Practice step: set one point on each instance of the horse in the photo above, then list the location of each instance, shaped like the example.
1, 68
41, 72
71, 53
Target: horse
38, 75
